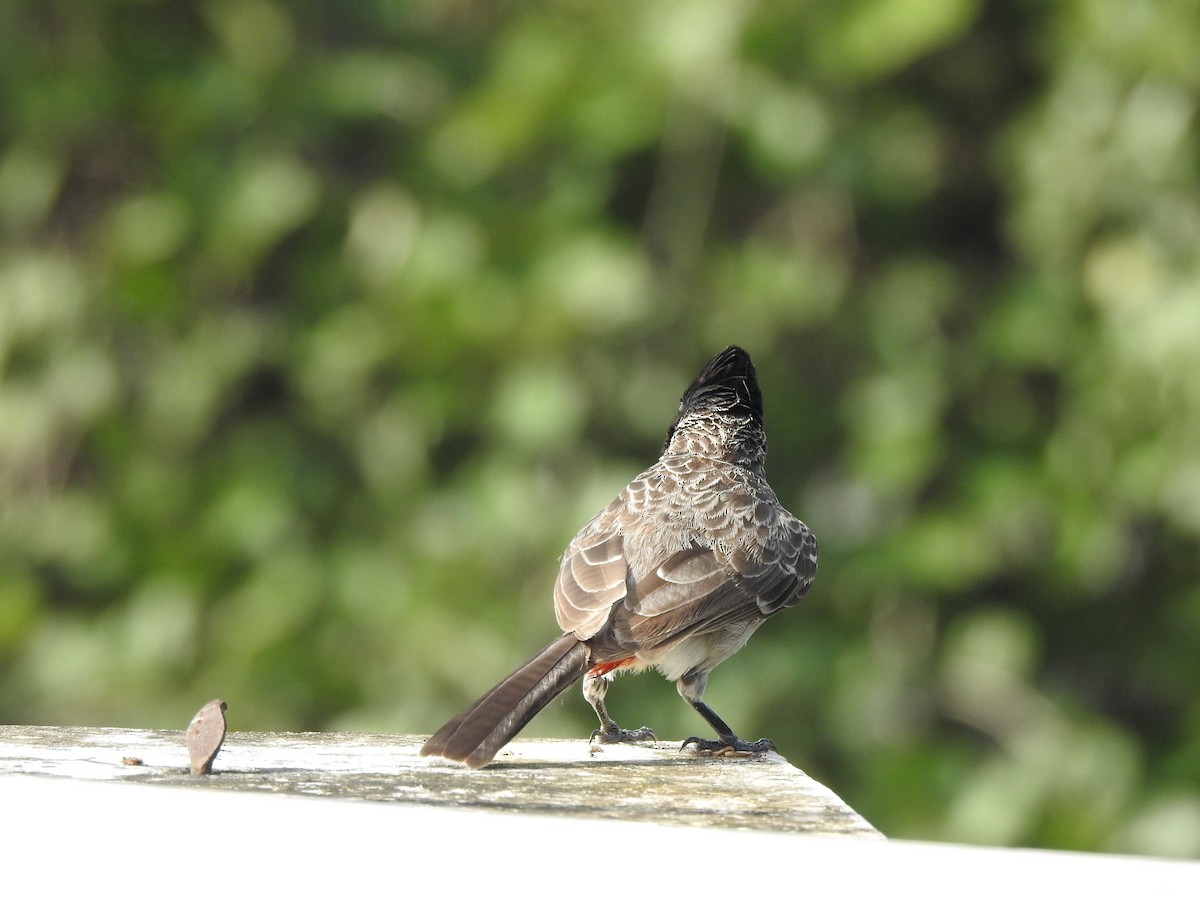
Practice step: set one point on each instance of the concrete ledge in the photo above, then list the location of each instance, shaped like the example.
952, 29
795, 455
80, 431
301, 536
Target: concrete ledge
284, 815
643, 783
84, 838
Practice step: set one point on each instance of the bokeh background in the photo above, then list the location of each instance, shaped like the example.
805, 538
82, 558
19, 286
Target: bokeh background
324, 326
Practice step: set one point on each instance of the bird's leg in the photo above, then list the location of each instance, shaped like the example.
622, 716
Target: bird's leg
727, 742
691, 688
609, 732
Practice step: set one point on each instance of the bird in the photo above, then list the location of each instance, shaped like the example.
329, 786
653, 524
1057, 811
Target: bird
675, 574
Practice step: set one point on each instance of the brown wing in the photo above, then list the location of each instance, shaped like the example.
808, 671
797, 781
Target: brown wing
704, 589
592, 579
663, 561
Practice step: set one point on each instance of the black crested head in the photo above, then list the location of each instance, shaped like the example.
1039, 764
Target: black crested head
721, 413
726, 384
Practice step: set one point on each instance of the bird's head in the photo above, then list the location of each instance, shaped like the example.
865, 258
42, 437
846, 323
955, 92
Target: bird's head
721, 413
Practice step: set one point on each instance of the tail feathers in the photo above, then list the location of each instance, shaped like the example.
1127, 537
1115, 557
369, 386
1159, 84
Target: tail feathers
476, 735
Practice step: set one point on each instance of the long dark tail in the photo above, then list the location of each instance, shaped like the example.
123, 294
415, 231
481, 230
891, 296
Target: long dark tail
476, 735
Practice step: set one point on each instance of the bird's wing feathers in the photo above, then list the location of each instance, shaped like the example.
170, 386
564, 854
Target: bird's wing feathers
593, 578
741, 558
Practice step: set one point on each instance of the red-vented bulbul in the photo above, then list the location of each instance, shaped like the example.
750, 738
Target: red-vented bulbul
675, 574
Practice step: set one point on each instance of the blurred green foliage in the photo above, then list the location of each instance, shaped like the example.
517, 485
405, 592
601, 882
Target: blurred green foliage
324, 326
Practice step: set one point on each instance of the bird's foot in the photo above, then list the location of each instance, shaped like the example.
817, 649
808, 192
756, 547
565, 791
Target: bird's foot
729, 747
617, 735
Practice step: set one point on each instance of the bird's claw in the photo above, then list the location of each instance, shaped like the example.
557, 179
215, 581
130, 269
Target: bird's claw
617, 735
734, 748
